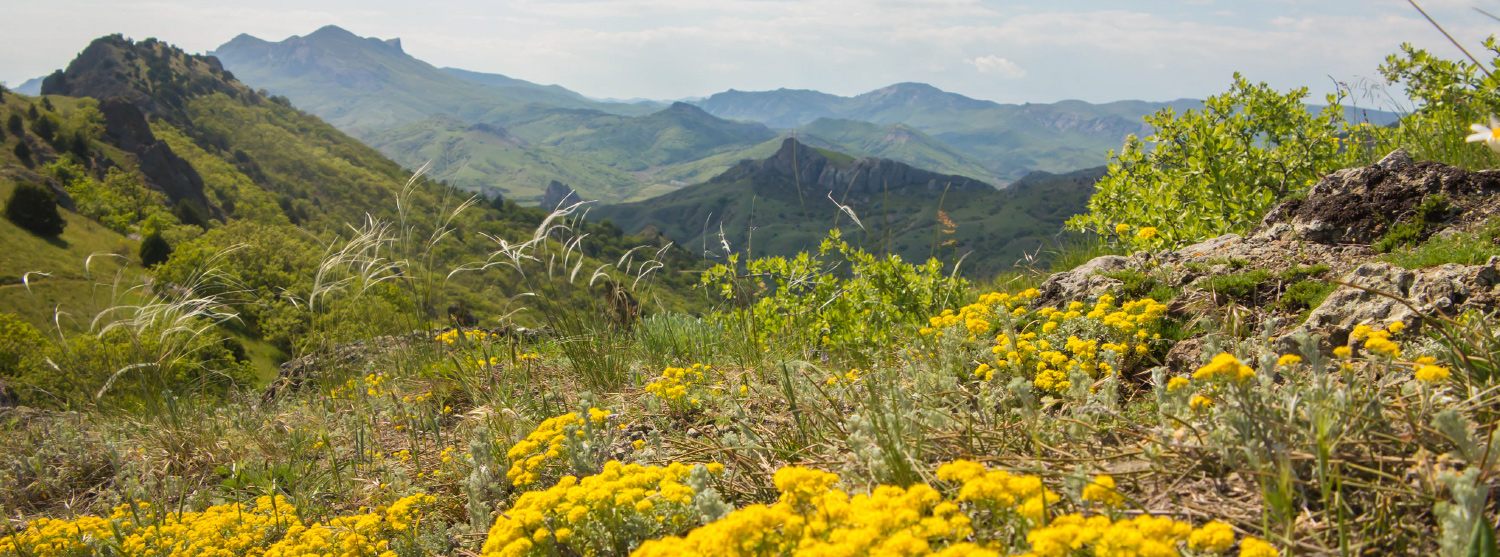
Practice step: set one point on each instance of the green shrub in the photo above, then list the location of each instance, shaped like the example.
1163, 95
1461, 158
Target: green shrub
841, 299
34, 208
1306, 295
1213, 171
154, 250
1449, 95
1239, 286
23, 152
22, 347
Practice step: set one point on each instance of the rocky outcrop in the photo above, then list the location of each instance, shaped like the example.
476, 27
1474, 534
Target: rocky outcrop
1359, 205
795, 162
152, 75
127, 129
1378, 293
1326, 236
558, 195
1085, 282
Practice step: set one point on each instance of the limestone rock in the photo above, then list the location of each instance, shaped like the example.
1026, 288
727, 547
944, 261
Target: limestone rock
1379, 293
1084, 282
1359, 205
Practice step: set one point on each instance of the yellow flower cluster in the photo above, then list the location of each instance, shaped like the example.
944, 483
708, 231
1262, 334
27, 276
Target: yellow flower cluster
1226, 367
373, 384
976, 317
1142, 536
675, 382
545, 442
228, 530
56, 538
814, 519
1102, 490
599, 514
361, 535
1377, 340
849, 377
997, 491
1050, 367
452, 336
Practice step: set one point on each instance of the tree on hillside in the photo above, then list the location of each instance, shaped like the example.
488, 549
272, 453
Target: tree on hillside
23, 152
34, 208
47, 104
32, 114
14, 124
154, 250
45, 128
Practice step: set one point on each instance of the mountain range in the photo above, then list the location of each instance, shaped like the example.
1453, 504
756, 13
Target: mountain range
415, 112
788, 202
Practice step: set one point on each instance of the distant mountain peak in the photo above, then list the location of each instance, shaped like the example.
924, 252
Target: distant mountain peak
331, 32
797, 162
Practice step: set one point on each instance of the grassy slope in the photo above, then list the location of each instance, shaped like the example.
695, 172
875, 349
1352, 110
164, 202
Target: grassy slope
269, 163
488, 160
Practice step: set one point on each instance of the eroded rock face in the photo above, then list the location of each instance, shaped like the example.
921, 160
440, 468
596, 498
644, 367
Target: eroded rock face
1084, 282
1359, 205
127, 128
1378, 293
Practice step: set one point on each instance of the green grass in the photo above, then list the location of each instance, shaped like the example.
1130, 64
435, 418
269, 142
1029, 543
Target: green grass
1238, 286
69, 289
1473, 248
1306, 296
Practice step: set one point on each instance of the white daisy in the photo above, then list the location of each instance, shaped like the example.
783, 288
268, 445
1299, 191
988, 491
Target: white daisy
1490, 134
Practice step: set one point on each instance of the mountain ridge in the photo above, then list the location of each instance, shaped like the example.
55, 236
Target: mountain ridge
787, 202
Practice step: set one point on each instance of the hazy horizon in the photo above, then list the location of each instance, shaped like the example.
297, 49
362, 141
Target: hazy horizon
1011, 52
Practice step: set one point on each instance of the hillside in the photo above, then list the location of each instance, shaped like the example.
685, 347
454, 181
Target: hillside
785, 200
1009, 140
375, 91
489, 160
898, 142
181, 149
363, 83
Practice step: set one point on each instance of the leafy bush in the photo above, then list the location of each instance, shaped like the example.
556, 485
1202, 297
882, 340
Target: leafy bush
34, 208
841, 299
1449, 95
22, 348
120, 202
23, 152
154, 250
1214, 171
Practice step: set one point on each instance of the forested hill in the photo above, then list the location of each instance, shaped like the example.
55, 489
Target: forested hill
787, 203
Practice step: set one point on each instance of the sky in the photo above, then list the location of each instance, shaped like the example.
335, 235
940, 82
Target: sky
1006, 51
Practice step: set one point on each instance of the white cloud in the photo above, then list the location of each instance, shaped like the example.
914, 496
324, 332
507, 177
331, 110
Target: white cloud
674, 48
998, 66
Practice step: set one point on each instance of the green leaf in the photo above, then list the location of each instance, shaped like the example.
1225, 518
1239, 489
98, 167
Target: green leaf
1482, 544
